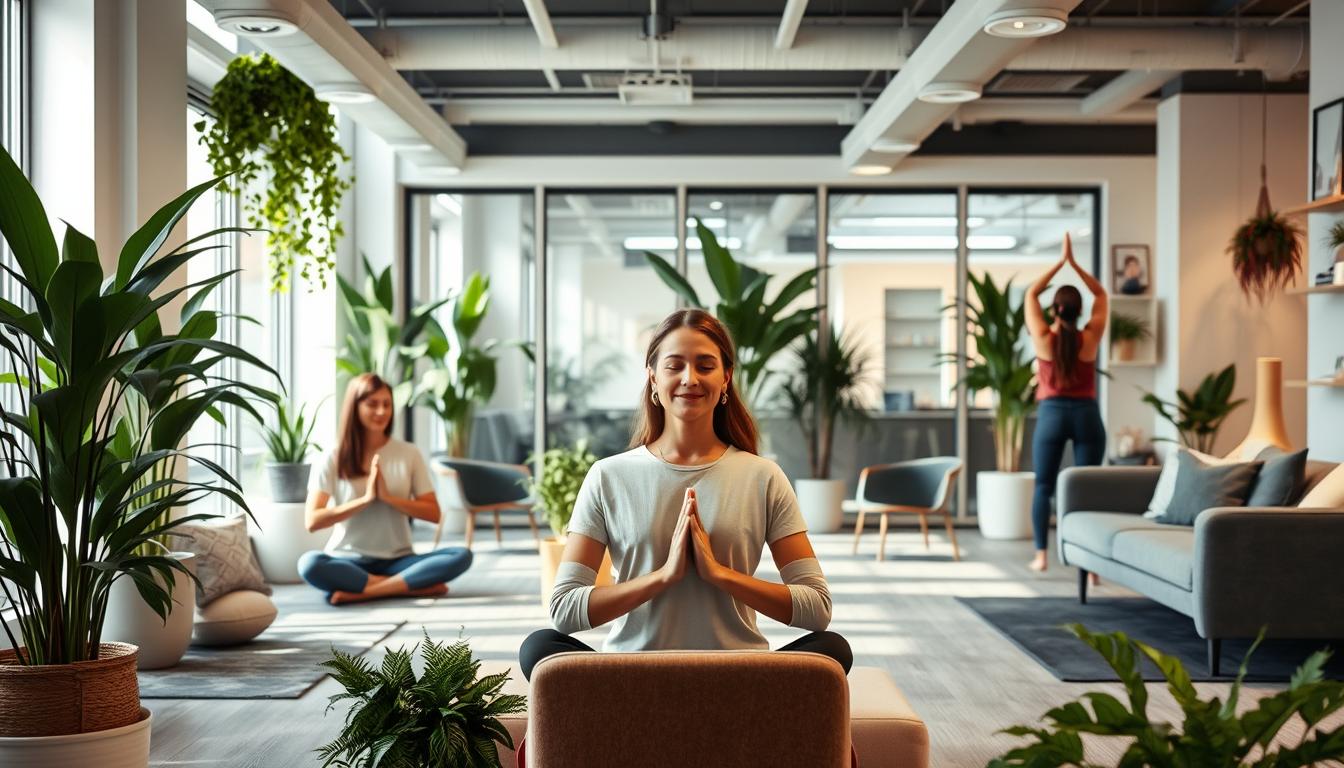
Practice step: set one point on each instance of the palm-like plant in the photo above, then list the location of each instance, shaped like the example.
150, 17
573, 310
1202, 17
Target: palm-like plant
1198, 415
446, 719
1001, 365
759, 328
830, 386
376, 342
106, 399
290, 440
1125, 327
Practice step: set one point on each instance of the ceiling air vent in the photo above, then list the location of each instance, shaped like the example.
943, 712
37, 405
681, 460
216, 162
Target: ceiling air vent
1033, 82
662, 89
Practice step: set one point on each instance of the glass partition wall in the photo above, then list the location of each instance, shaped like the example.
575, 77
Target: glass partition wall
894, 263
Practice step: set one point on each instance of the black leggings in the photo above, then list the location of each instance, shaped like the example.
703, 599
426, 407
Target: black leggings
546, 642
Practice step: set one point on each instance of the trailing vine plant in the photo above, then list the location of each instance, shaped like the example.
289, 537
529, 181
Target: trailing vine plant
270, 125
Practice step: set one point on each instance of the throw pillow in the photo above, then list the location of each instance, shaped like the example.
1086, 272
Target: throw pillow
1166, 482
1329, 493
224, 559
1280, 480
234, 618
1200, 486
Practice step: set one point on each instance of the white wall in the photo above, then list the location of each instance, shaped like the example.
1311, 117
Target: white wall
1208, 183
1325, 312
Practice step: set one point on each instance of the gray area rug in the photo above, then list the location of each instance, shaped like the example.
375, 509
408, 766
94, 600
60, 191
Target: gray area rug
280, 664
1036, 625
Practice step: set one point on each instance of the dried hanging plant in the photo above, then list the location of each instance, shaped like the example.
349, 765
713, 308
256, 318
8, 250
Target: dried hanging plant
1267, 250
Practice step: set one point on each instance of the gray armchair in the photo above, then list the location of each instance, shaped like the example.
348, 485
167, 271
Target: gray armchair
488, 486
921, 487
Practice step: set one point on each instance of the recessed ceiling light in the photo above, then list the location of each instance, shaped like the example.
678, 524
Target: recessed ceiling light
1026, 22
256, 23
949, 92
895, 146
872, 169
343, 93
716, 205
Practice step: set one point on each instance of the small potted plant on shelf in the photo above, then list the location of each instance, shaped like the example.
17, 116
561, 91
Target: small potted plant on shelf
85, 494
1126, 332
446, 718
1334, 239
830, 386
288, 444
1214, 733
556, 490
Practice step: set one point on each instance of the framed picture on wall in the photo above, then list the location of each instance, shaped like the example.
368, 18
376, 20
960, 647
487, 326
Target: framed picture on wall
1131, 270
1327, 150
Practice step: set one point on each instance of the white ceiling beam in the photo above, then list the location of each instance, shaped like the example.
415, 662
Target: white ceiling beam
541, 22
956, 50
609, 111
1124, 91
1053, 111
789, 23
771, 230
598, 233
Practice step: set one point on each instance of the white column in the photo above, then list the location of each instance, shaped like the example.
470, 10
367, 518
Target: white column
1208, 178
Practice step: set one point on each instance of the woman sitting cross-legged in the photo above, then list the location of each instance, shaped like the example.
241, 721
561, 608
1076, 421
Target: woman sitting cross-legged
686, 513
376, 482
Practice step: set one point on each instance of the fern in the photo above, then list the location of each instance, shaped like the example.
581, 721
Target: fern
448, 718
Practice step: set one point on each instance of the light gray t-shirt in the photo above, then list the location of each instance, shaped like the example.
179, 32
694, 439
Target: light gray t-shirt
631, 501
378, 530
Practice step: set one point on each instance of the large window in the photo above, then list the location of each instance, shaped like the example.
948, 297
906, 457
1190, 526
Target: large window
12, 137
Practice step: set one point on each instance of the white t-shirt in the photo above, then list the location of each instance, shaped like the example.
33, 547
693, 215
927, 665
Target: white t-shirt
379, 530
631, 501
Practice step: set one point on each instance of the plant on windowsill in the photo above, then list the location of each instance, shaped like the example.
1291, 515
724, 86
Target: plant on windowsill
831, 385
288, 444
1198, 415
80, 504
1126, 332
758, 327
447, 718
277, 143
1212, 735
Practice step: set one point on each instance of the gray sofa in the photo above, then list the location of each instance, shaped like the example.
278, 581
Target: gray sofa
1236, 570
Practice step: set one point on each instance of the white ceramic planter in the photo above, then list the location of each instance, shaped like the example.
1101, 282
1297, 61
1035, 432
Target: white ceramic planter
280, 538
130, 620
1003, 504
820, 501
125, 747
451, 505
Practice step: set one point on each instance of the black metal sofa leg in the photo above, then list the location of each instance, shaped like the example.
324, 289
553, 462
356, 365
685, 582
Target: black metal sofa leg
1082, 586
1215, 655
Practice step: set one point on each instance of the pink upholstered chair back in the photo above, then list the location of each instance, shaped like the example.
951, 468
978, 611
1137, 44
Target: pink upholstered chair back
673, 709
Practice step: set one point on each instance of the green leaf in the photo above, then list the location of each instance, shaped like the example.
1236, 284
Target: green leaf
23, 222
672, 279
146, 242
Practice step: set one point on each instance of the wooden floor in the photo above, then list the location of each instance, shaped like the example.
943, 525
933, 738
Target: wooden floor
964, 679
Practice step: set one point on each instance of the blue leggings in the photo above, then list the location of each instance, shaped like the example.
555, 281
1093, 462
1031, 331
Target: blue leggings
1058, 420
351, 574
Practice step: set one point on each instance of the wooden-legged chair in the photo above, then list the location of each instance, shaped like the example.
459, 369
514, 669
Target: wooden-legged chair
488, 486
922, 487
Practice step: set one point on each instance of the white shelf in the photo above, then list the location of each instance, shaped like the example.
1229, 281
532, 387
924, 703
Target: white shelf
1318, 289
1299, 384
1133, 363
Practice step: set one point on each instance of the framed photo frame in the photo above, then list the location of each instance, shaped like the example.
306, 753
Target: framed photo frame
1131, 270
1327, 150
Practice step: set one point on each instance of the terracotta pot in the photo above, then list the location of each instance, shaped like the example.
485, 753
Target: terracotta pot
60, 699
1124, 350
551, 550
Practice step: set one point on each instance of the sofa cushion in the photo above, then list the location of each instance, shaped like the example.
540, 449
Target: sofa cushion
1280, 480
1328, 491
1200, 487
224, 558
1096, 531
1166, 482
1168, 554
1316, 472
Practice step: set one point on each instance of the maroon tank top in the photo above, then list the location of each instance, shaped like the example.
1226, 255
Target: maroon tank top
1084, 385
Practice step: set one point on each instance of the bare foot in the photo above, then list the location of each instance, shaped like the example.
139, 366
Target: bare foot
1094, 579
375, 579
1039, 562
341, 598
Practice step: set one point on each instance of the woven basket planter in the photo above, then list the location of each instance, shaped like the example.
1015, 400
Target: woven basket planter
60, 699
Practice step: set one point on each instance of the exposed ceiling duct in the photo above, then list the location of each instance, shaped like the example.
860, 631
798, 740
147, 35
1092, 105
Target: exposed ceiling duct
738, 48
326, 50
607, 111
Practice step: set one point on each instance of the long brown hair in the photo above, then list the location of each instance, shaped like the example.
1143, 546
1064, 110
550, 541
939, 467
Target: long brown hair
350, 449
732, 421
1067, 342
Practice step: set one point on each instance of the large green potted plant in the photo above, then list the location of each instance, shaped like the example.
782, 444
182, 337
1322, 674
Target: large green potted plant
829, 387
277, 144
1213, 733
76, 514
448, 717
375, 342
555, 491
758, 326
1198, 415
1001, 365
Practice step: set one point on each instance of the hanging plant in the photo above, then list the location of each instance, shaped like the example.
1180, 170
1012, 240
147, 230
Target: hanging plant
269, 124
1267, 250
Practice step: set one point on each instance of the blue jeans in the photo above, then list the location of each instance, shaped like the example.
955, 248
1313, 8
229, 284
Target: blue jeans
1058, 420
351, 574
